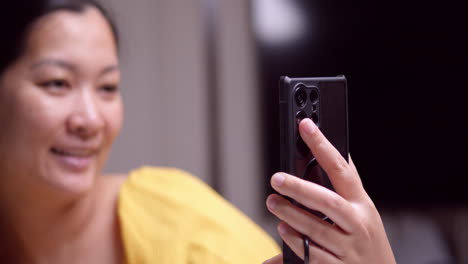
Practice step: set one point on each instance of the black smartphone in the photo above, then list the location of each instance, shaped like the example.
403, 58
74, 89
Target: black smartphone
324, 100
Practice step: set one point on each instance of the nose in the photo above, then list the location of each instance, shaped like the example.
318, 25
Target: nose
85, 120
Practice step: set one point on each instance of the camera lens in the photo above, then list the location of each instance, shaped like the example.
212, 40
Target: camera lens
300, 96
314, 95
314, 118
299, 116
302, 147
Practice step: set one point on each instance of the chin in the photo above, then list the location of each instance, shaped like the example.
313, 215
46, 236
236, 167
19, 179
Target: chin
70, 175
71, 183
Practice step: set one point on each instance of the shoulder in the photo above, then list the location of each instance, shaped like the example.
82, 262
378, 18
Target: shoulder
179, 212
170, 187
160, 179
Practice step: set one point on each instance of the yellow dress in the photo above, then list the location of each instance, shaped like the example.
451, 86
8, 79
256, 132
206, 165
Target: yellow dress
168, 216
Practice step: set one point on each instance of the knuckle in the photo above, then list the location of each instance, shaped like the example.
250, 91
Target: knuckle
361, 248
339, 166
362, 231
333, 202
369, 204
321, 147
320, 233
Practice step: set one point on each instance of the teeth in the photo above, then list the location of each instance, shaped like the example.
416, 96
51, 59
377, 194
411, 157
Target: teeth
79, 153
58, 151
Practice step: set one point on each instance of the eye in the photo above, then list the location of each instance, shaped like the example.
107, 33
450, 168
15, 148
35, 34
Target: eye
109, 88
57, 84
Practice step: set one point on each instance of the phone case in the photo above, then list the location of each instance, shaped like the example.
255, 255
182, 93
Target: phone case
324, 100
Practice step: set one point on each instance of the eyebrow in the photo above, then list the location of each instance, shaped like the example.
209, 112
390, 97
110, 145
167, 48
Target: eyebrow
70, 66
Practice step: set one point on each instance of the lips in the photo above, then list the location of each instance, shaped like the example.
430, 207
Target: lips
74, 158
72, 152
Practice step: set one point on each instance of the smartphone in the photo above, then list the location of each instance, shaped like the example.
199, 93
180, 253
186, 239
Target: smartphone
324, 100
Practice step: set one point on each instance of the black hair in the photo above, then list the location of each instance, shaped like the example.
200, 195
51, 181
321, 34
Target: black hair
17, 17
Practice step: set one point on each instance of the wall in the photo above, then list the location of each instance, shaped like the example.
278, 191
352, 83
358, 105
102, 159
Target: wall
168, 77
163, 86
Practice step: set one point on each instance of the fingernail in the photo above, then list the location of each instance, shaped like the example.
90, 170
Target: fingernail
277, 179
272, 202
282, 229
309, 126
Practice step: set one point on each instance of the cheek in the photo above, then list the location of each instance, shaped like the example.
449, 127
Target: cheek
40, 119
7, 121
43, 116
114, 116
29, 122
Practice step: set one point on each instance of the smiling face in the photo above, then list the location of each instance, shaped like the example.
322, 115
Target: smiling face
60, 107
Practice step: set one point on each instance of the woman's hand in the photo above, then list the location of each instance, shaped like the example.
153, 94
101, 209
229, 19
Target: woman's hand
358, 235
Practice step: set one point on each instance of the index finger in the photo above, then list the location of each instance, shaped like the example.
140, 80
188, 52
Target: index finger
345, 180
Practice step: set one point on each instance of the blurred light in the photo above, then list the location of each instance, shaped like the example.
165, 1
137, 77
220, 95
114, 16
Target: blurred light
278, 22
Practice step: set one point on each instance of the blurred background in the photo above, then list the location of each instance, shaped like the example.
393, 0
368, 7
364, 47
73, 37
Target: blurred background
200, 87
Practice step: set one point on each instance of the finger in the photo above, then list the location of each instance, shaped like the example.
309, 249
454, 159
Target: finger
343, 178
295, 241
278, 259
351, 164
323, 233
317, 198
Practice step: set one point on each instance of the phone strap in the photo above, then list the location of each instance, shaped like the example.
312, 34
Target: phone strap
306, 249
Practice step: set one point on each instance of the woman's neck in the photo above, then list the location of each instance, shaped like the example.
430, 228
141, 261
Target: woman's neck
43, 228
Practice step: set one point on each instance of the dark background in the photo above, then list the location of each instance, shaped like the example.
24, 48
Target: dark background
406, 64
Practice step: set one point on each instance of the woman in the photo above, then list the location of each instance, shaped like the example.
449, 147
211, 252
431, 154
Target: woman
60, 110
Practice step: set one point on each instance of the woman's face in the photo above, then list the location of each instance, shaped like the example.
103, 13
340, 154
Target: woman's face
60, 109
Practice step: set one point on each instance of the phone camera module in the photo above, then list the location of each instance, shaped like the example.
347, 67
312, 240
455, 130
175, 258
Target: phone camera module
300, 96
302, 147
314, 95
299, 116
315, 118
